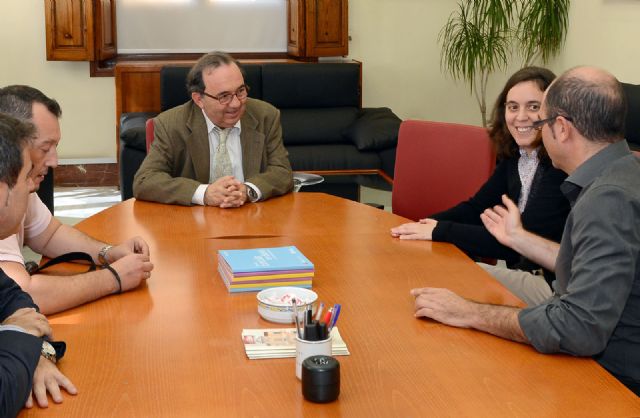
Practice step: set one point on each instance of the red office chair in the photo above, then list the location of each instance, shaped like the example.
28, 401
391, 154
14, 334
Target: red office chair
149, 126
438, 165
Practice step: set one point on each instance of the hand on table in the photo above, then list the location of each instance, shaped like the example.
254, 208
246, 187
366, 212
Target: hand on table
135, 245
47, 378
236, 197
444, 306
133, 269
226, 192
422, 230
31, 321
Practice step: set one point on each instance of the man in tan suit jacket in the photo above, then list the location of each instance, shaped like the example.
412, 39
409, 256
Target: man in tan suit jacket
183, 165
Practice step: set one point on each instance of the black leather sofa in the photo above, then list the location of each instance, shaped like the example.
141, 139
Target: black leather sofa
323, 124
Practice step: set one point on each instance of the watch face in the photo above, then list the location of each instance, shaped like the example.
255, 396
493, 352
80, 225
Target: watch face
102, 255
48, 351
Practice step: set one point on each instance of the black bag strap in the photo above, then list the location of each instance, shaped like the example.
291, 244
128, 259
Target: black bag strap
33, 268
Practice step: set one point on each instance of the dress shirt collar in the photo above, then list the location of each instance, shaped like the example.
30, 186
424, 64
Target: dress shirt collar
588, 171
571, 191
211, 126
532, 155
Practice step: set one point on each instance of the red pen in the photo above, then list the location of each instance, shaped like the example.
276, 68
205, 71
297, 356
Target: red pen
327, 316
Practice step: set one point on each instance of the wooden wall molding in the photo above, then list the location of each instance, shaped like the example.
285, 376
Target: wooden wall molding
86, 175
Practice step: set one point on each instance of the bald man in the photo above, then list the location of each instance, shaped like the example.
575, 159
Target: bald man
594, 309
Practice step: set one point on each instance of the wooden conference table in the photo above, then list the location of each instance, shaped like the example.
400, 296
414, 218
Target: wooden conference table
172, 348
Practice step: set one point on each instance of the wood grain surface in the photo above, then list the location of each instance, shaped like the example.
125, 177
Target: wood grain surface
172, 348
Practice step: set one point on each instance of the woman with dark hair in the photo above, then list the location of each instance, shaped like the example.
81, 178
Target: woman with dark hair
524, 173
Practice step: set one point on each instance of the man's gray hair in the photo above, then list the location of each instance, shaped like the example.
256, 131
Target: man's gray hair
17, 100
597, 107
195, 82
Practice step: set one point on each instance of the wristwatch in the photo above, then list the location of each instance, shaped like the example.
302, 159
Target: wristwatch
251, 194
102, 255
48, 351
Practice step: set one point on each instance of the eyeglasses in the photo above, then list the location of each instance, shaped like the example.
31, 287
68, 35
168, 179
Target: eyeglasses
537, 125
226, 98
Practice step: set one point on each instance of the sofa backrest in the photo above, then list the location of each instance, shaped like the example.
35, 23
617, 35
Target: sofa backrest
317, 85
317, 101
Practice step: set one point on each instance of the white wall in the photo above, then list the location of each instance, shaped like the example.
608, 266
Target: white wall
397, 42
88, 104
395, 39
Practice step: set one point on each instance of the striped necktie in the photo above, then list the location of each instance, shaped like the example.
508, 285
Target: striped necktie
222, 162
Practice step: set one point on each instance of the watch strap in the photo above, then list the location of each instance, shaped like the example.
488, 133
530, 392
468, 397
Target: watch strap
60, 347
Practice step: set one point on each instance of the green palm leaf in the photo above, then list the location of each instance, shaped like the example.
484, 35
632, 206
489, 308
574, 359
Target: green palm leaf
480, 36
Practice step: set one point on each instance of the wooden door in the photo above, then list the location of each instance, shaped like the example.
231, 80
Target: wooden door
69, 30
80, 30
317, 28
105, 29
327, 28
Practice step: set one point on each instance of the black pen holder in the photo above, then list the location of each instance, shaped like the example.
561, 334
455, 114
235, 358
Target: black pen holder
320, 379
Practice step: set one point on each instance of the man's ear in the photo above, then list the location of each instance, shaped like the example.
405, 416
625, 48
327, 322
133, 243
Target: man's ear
563, 129
4, 196
197, 99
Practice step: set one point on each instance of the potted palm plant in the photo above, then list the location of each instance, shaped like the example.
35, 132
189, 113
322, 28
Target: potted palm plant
482, 36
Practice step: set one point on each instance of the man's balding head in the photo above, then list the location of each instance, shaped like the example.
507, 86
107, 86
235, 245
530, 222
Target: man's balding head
594, 101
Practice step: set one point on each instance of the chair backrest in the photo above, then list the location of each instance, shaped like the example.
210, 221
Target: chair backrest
632, 126
149, 127
438, 165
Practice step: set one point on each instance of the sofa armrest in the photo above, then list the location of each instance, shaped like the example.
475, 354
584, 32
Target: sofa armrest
375, 129
132, 129
133, 148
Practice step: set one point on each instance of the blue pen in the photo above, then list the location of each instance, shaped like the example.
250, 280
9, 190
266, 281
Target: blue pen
334, 316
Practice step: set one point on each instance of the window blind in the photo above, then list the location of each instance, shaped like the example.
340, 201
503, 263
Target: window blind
171, 26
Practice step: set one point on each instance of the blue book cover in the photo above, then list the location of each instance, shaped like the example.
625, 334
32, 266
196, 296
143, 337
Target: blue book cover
266, 259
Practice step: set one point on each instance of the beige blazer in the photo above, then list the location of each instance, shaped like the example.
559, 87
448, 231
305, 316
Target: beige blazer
178, 160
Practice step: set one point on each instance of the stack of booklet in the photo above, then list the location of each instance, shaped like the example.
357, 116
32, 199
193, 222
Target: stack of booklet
255, 269
281, 342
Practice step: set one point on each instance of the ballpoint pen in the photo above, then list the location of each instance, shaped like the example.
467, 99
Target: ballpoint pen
327, 317
323, 334
308, 317
319, 313
334, 316
295, 317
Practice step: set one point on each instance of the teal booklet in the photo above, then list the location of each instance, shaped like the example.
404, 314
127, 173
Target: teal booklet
282, 259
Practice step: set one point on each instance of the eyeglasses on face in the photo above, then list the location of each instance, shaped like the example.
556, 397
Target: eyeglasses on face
226, 97
540, 123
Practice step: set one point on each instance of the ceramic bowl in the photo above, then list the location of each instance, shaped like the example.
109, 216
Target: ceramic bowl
275, 305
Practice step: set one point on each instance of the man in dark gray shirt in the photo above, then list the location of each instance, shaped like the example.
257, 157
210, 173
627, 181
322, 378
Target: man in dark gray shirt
595, 308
